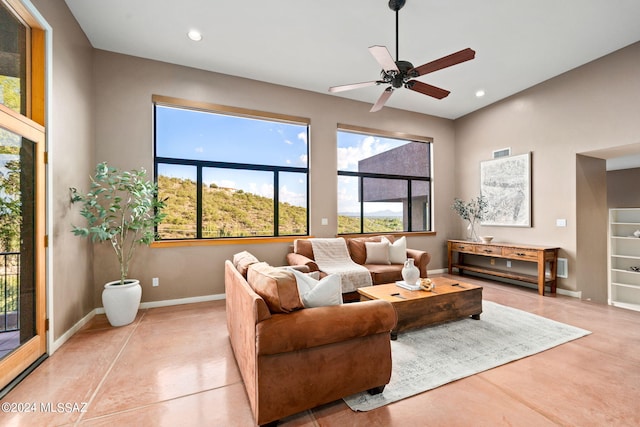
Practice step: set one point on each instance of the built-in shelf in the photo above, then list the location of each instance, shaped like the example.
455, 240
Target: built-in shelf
624, 253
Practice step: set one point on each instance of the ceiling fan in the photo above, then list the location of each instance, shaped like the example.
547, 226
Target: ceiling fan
401, 73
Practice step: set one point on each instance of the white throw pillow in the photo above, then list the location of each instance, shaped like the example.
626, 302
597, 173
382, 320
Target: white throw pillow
319, 293
397, 250
314, 274
377, 252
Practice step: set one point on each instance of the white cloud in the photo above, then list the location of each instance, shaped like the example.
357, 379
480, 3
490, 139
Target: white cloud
369, 146
225, 183
291, 197
302, 136
264, 190
348, 195
199, 149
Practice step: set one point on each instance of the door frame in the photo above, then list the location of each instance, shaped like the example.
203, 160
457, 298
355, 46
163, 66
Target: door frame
12, 365
33, 127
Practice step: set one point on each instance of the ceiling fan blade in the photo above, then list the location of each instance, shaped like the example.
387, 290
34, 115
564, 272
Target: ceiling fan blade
382, 100
384, 58
427, 89
352, 86
444, 62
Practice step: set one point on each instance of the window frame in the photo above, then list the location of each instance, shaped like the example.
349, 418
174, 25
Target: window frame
409, 178
172, 102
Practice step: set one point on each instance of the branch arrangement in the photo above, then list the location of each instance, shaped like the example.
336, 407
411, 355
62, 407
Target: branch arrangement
472, 211
121, 207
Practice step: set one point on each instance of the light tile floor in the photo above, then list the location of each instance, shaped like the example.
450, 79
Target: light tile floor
174, 367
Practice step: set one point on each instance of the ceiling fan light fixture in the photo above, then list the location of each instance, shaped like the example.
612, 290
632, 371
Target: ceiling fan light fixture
194, 35
398, 74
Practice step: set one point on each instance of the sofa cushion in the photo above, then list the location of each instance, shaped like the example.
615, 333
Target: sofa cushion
384, 273
319, 293
397, 250
377, 252
277, 286
242, 261
303, 247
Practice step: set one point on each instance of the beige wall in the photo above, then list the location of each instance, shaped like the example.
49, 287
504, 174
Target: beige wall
591, 225
101, 110
587, 109
124, 86
70, 130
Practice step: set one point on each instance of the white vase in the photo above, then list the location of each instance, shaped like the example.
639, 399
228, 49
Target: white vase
121, 302
410, 273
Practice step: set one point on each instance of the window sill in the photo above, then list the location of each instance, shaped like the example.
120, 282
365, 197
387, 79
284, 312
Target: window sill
395, 234
224, 241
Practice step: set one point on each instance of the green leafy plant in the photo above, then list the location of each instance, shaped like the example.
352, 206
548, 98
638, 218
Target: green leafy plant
120, 207
472, 211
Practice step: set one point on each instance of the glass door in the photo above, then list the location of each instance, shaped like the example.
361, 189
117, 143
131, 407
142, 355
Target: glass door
22, 207
22, 290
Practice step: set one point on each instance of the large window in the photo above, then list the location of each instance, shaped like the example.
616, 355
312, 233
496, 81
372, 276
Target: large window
384, 182
228, 172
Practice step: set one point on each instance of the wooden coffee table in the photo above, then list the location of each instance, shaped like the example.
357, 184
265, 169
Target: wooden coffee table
450, 300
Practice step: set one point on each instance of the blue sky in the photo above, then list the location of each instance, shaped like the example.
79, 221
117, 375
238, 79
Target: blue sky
197, 135
351, 148
356, 146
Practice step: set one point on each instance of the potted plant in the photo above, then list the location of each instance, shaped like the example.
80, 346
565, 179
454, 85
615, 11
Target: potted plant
121, 207
471, 211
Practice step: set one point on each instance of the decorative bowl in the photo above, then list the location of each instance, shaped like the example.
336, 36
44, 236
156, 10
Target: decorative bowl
486, 239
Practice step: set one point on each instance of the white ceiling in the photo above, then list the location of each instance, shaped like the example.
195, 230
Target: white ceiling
312, 45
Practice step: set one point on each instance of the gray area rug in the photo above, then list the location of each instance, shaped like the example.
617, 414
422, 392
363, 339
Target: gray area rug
429, 357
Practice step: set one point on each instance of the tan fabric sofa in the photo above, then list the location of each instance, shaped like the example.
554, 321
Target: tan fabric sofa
302, 254
292, 359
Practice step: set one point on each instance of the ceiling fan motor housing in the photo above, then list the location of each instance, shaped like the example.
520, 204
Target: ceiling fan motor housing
396, 5
399, 79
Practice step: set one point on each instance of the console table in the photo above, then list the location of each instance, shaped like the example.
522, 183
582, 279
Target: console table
538, 254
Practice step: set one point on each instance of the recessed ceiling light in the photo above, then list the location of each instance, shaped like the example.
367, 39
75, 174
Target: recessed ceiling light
480, 93
194, 35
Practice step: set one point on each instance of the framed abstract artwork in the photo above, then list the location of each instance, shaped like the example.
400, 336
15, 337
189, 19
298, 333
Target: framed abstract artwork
505, 183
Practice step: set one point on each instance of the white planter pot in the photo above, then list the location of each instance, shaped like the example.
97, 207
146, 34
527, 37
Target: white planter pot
121, 302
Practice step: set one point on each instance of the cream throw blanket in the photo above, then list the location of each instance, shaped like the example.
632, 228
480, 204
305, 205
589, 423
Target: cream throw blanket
332, 257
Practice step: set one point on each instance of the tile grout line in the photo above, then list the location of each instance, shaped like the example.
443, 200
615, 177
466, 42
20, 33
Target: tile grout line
552, 418
110, 368
171, 399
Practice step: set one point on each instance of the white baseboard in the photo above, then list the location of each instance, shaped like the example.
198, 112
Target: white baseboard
56, 344
574, 294
152, 304
191, 300
439, 271
566, 292
169, 302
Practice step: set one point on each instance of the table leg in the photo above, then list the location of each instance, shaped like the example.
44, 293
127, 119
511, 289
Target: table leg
541, 272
